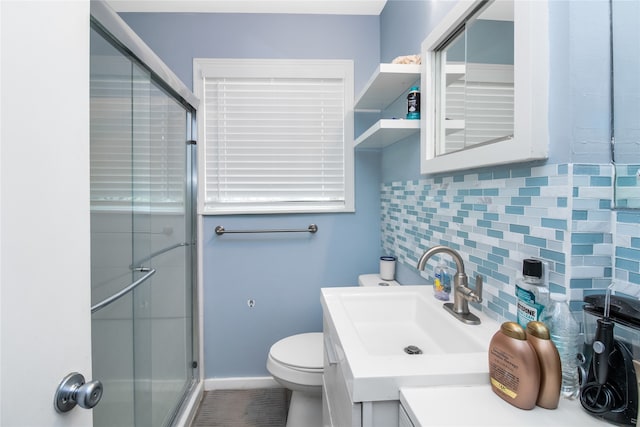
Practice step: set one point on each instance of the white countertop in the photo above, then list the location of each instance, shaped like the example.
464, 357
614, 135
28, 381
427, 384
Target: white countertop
477, 405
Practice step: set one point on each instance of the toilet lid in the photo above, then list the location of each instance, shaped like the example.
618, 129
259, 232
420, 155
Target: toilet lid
301, 351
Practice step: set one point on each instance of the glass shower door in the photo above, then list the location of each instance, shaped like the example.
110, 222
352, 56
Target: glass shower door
162, 232
111, 231
141, 232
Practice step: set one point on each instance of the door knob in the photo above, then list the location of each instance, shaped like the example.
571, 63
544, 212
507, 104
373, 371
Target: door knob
73, 391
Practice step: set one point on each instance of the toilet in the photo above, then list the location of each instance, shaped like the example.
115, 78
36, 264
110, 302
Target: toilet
296, 362
375, 280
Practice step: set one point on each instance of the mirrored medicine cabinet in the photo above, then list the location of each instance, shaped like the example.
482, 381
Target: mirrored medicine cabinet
484, 86
625, 17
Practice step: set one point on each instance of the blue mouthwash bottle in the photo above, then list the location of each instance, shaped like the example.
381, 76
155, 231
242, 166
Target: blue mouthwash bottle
532, 292
413, 103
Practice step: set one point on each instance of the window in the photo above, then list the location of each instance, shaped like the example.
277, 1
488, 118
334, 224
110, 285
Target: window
275, 136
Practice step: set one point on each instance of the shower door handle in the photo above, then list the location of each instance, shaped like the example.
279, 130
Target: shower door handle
73, 390
149, 272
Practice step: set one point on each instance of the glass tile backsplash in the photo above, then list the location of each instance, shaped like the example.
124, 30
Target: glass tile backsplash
560, 213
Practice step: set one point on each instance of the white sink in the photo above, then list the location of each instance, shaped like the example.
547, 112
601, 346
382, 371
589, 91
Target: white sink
372, 326
387, 323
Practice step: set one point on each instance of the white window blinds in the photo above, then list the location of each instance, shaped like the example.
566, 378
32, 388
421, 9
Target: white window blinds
275, 135
483, 101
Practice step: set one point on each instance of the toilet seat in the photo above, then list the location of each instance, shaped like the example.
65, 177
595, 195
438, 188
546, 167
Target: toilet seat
302, 352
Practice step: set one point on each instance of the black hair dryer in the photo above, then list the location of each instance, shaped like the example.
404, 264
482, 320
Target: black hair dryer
610, 389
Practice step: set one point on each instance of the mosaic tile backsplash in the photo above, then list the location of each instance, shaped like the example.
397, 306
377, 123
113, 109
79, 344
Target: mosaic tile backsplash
559, 213
627, 188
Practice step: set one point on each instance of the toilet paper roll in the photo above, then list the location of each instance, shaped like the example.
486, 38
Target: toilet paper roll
387, 267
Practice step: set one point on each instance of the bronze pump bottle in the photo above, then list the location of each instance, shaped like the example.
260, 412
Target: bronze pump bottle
514, 370
550, 369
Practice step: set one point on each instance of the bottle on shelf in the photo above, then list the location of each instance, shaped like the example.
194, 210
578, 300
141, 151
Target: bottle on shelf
413, 103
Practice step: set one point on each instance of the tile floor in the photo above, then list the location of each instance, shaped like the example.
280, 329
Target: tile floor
243, 408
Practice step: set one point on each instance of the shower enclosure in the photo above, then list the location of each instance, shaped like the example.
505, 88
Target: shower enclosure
142, 232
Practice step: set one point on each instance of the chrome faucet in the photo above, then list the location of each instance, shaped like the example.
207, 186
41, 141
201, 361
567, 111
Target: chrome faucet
462, 294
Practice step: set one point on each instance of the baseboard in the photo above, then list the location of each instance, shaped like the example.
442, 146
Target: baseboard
239, 383
190, 407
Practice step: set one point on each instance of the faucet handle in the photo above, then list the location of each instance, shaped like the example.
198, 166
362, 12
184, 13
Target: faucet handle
478, 289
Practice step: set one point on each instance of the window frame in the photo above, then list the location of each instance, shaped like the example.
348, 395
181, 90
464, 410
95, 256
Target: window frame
275, 68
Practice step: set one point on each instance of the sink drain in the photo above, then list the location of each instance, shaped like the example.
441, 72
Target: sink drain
412, 349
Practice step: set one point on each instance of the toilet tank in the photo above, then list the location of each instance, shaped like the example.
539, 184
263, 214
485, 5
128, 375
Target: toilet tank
375, 280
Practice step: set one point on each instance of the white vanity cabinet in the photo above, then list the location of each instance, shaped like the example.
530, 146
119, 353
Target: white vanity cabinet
338, 410
366, 333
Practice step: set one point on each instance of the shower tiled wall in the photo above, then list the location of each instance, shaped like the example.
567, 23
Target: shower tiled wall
560, 213
627, 251
627, 230
628, 191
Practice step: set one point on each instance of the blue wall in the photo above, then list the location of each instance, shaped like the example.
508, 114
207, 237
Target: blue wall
579, 90
404, 24
282, 273
179, 37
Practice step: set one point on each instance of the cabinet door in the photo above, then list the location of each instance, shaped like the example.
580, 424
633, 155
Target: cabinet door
338, 410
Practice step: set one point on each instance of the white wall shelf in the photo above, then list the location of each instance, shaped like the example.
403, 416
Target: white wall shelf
387, 83
387, 131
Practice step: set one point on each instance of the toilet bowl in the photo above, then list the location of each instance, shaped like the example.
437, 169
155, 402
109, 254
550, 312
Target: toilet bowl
296, 363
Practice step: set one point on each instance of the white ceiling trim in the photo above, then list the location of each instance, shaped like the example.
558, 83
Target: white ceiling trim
330, 7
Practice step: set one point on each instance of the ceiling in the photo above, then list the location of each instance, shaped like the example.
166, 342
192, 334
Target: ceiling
331, 7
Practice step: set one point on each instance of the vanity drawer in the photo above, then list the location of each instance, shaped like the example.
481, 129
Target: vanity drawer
338, 410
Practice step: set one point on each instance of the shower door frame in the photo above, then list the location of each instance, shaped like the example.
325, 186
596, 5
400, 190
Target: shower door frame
118, 33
